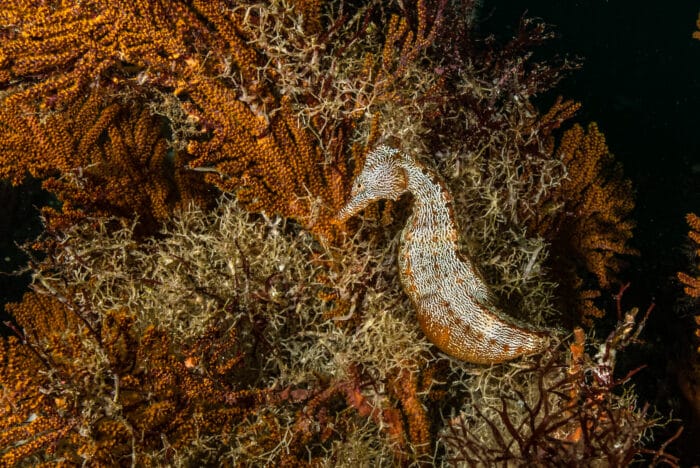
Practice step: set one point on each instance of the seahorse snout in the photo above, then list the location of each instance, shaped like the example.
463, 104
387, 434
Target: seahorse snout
382, 177
356, 204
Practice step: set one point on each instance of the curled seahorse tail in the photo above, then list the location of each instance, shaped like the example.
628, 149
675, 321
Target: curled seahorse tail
489, 340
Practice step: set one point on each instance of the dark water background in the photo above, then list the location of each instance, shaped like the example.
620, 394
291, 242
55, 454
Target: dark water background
641, 82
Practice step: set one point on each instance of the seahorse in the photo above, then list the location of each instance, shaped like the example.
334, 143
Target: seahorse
452, 302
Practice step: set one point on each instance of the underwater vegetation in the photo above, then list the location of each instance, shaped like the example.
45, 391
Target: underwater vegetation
197, 301
689, 378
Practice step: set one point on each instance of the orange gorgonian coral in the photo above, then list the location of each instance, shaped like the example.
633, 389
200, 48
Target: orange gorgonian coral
290, 155
100, 157
53, 54
245, 78
691, 284
593, 225
58, 49
689, 374
103, 392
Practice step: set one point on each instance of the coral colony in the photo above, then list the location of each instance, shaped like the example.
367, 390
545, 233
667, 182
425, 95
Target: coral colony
202, 297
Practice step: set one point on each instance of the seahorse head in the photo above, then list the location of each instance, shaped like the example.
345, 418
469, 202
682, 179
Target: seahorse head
382, 177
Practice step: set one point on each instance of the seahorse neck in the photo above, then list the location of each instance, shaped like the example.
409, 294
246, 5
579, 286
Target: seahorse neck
432, 205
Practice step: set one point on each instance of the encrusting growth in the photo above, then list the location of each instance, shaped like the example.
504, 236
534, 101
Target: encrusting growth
451, 299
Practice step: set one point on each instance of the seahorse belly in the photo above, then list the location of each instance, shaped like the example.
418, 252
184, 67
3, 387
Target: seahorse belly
453, 319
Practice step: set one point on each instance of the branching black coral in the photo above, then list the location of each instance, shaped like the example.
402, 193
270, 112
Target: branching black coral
573, 414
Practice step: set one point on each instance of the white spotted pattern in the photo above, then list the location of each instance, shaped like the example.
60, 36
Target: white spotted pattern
451, 299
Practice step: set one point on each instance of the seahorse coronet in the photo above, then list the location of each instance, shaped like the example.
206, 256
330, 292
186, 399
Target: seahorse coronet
451, 299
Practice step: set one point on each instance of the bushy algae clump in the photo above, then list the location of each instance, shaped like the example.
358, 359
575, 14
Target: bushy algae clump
305, 383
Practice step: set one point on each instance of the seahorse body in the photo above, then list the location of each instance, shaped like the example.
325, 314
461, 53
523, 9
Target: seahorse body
451, 299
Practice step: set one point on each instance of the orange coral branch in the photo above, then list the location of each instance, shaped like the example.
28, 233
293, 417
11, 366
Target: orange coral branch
692, 283
99, 157
221, 68
133, 381
689, 375
593, 227
405, 386
68, 47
